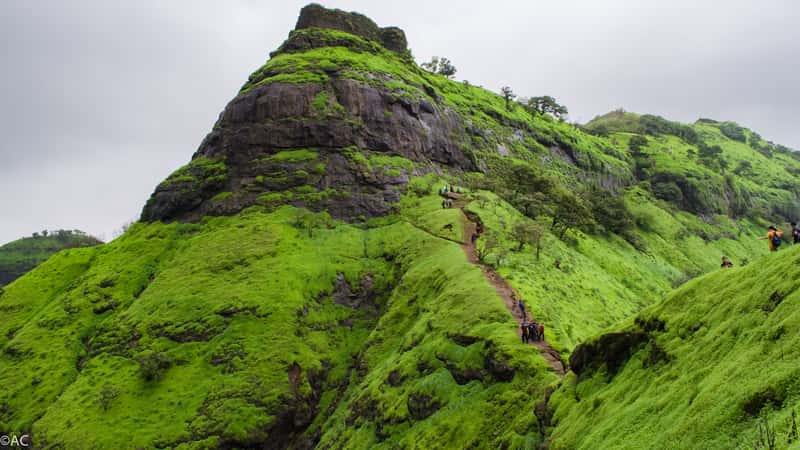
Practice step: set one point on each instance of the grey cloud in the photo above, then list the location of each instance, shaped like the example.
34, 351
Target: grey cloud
102, 100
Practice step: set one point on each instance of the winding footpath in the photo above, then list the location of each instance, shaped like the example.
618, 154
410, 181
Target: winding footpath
501, 286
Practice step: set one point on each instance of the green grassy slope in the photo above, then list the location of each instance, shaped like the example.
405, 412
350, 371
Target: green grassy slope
282, 325
723, 363
24, 254
603, 278
171, 336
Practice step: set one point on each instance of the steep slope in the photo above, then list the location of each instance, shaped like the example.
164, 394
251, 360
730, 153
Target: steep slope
302, 282
24, 254
336, 121
704, 369
170, 336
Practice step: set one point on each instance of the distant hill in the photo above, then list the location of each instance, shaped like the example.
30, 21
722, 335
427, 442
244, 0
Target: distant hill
22, 255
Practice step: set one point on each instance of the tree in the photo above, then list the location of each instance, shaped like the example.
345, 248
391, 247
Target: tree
44, 233
440, 66
529, 232
546, 105
571, 212
609, 211
508, 95
490, 243
310, 221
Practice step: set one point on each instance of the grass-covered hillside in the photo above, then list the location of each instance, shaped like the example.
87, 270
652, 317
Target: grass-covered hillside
24, 254
303, 281
712, 366
708, 167
285, 327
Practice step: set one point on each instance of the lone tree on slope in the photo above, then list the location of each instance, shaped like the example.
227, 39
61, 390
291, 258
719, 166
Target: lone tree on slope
440, 66
508, 95
547, 105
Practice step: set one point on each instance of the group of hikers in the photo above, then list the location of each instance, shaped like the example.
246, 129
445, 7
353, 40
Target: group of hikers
531, 331
449, 188
444, 191
775, 238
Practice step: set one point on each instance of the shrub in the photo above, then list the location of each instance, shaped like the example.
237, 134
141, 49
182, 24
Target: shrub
152, 365
668, 191
108, 393
733, 131
636, 143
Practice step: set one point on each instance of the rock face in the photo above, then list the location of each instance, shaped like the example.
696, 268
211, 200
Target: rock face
341, 118
320, 145
316, 16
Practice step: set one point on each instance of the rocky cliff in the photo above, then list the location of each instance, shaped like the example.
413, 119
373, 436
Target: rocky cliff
340, 117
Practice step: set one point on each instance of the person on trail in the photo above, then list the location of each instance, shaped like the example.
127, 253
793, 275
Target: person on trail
774, 238
451, 188
474, 238
795, 233
444, 204
531, 326
726, 263
541, 331
525, 335
521, 307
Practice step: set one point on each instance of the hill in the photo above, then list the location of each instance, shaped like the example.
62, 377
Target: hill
305, 280
22, 255
712, 366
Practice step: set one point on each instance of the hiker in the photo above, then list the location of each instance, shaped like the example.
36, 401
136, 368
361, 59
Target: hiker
444, 204
533, 331
541, 331
726, 263
774, 238
525, 334
795, 233
451, 188
474, 238
521, 307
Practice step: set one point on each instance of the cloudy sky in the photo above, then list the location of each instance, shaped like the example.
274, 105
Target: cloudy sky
103, 99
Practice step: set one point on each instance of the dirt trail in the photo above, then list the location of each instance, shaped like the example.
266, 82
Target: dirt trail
503, 289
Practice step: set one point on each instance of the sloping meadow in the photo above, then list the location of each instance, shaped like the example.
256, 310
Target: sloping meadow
715, 366
262, 328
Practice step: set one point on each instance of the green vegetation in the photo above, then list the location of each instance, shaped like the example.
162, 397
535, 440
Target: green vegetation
22, 255
716, 366
172, 319
284, 325
294, 156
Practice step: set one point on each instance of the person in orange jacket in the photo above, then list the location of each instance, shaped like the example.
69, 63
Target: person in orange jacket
774, 238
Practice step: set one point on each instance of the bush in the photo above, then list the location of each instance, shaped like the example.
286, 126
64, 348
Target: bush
668, 191
636, 143
152, 365
733, 131
108, 394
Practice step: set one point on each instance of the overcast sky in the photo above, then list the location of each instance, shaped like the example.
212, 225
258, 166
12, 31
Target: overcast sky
102, 99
